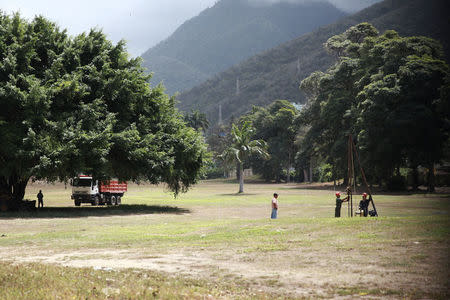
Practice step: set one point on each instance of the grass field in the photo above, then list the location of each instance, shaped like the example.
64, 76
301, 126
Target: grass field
213, 243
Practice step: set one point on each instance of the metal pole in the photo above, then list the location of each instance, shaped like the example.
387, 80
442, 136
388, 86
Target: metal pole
364, 179
353, 173
350, 175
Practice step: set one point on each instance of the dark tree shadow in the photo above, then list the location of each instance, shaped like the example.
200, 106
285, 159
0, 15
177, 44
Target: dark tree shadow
375, 190
237, 194
94, 211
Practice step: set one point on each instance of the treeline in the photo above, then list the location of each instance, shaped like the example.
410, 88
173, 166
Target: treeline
391, 93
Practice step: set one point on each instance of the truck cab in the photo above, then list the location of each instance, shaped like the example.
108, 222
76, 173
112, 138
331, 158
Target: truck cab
85, 190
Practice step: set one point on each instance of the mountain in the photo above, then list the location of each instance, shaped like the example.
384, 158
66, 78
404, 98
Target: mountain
276, 73
228, 33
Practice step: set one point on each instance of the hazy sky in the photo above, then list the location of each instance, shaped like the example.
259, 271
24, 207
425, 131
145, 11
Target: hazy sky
142, 23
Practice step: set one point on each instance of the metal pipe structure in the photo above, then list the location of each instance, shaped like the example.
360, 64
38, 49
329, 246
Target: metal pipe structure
364, 178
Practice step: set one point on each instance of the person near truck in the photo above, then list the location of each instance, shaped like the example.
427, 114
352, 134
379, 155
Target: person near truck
40, 197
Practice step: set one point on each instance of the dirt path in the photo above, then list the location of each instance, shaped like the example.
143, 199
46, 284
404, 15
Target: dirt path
298, 274
196, 265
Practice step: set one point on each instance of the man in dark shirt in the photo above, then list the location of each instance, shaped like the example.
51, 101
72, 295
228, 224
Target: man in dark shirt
40, 197
337, 211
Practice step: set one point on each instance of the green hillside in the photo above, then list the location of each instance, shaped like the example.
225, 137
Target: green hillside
228, 33
276, 74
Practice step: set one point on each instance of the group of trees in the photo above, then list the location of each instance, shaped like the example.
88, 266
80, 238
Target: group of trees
275, 124
79, 104
390, 93
263, 139
385, 90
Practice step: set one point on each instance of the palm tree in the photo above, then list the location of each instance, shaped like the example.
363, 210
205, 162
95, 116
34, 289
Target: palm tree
197, 120
242, 146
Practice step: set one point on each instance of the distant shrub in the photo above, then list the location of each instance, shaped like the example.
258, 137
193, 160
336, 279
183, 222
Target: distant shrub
213, 172
323, 173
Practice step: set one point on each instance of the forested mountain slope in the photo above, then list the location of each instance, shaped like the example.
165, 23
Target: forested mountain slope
228, 33
276, 74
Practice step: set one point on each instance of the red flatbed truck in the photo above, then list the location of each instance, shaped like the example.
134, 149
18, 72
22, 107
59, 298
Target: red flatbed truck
87, 190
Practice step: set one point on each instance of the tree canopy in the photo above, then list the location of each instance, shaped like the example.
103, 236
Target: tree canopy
385, 90
79, 104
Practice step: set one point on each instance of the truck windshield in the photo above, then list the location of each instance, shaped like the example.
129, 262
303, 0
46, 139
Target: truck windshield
81, 182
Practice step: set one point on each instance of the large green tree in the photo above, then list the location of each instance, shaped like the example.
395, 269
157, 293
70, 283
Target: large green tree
386, 91
399, 113
331, 97
276, 125
79, 104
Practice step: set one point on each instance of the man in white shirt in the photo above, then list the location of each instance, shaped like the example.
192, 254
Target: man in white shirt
274, 206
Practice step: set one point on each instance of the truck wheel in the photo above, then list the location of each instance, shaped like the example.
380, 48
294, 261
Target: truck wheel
113, 200
77, 202
118, 200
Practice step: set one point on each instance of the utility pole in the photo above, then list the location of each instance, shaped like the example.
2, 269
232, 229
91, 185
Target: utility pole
220, 114
237, 87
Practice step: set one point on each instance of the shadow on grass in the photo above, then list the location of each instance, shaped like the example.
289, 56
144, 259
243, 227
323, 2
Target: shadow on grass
237, 194
375, 189
94, 211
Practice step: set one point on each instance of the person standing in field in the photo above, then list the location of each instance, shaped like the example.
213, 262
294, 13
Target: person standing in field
337, 211
274, 206
40, 197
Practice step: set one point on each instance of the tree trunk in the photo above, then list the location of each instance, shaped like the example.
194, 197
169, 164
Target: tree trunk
415, 178
431, 188
305, 175
334, 176
241, 178
12, 191
345, 181
288, 173
19, 190
5, 195
238, 172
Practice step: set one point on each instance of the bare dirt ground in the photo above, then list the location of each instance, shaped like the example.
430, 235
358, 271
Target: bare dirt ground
296, 273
